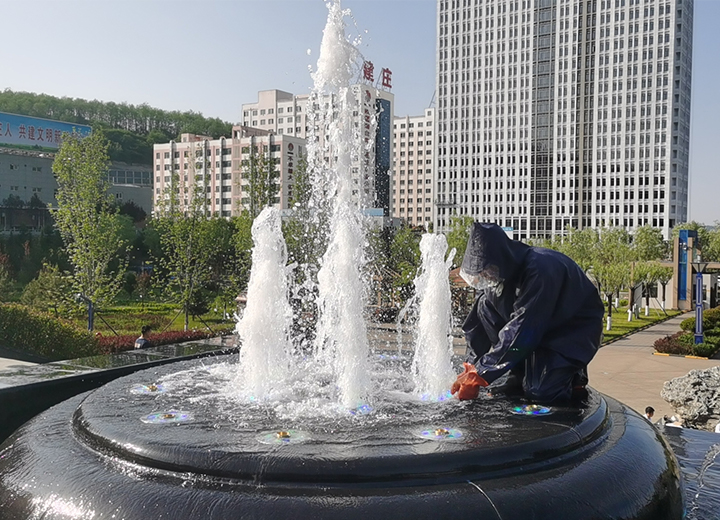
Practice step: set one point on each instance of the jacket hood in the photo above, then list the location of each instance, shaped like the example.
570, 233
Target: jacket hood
489, 245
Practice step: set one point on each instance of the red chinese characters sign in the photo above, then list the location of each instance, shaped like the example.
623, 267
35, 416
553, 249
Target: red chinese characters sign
369, 75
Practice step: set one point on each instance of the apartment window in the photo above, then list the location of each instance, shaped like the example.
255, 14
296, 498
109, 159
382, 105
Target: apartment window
280, 110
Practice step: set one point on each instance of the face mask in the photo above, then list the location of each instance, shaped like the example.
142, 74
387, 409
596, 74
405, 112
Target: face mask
488, 279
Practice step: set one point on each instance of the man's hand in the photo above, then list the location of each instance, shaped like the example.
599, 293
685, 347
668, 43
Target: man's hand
468, 383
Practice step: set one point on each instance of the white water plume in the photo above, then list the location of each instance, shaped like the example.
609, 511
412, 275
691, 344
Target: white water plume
264, 330
341, 335
432, 366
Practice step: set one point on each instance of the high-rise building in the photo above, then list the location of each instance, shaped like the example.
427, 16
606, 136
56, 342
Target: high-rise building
563, 113
414, 168
283, 113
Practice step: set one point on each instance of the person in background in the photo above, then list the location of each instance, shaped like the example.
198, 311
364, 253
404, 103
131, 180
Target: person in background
143, 341
649, 412
537, 317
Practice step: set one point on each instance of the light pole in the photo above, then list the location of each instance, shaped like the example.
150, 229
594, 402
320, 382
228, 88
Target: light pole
699, 268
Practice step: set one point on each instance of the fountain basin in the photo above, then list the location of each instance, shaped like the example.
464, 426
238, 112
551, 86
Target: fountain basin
93, 456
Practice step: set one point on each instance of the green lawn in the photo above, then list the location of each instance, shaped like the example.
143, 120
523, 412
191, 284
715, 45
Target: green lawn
621, 326
129, 318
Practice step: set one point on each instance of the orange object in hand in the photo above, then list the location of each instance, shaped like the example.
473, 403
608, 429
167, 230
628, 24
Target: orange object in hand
467, 386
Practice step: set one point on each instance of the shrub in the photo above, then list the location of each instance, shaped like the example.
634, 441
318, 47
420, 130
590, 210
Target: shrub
711, 319
674, 344
27, 330
623, 303
704, 349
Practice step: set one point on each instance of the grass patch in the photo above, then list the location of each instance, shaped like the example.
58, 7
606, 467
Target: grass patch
128, 319
620, 325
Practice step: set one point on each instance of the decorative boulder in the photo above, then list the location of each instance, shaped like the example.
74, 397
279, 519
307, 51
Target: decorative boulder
695, 397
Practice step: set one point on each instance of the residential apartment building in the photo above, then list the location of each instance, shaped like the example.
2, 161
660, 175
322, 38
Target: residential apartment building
220, 167
414, 168
283, 113
564, 113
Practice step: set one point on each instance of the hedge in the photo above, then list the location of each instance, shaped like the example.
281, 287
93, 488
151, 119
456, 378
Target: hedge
711, 319
27, 330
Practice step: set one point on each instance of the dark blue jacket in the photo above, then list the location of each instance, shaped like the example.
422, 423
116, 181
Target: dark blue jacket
546, 301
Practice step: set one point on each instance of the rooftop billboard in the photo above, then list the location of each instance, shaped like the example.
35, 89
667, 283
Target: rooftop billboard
33, 132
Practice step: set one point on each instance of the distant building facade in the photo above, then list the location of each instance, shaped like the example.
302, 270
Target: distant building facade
221, 166
283, 113
557, 114
414, 168
26, 177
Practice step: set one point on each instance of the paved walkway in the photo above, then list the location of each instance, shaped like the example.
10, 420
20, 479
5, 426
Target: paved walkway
628, 371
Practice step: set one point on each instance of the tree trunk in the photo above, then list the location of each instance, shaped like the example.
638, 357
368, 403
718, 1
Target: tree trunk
187, 320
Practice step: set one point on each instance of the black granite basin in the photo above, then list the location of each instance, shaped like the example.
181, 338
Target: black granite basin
112, 453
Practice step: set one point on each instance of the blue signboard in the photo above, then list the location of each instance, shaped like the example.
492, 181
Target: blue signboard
34, 132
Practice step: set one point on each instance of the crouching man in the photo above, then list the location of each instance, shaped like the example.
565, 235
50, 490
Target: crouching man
537, 316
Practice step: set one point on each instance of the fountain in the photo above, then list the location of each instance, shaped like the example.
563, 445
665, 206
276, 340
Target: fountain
346, 432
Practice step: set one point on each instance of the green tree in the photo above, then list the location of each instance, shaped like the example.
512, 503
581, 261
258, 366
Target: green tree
580, 246
4, 281
648, 244
664, 275
186, 240
458, 236
711, 246
50, 291
611, 262
405, 259
243, 250
702, 231
261, 173
84, 217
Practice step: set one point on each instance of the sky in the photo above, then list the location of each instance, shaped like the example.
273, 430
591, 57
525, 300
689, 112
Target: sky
211, 56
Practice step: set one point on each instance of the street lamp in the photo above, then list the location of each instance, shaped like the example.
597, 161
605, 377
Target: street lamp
699, 269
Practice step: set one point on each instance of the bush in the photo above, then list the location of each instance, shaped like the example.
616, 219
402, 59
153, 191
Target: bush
24, 329
623, 303
674, 344
711, 319
704, 349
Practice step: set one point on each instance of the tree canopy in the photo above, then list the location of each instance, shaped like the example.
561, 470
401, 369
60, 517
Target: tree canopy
131, 129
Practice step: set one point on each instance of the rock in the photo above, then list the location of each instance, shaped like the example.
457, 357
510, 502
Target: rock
695, 397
